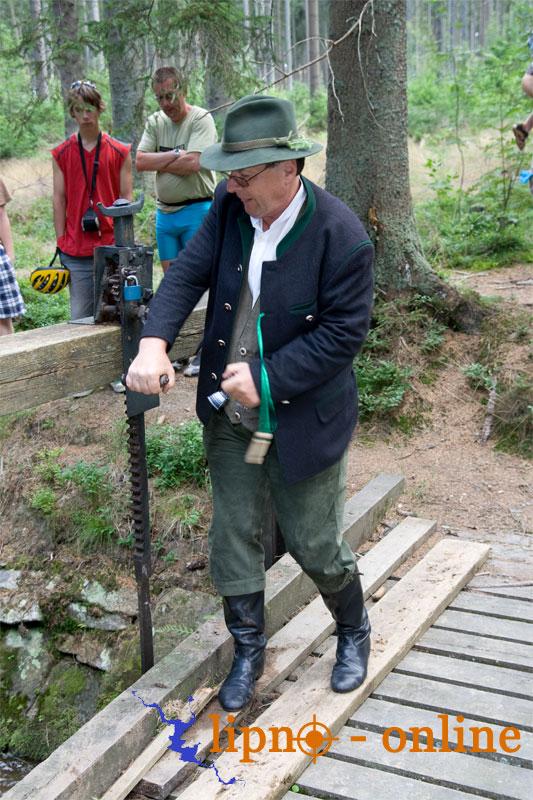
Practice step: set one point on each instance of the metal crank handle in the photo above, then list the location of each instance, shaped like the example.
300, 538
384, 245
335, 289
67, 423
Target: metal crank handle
163, 379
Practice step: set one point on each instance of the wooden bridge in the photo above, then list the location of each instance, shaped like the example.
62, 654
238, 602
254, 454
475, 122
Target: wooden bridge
452, 650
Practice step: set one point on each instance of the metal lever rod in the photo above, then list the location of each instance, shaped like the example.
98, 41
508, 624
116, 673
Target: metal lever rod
122, 207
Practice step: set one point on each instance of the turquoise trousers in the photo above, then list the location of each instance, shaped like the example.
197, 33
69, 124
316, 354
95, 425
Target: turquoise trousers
309, 513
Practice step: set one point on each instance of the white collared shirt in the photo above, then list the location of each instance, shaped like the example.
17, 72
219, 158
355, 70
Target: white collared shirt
266, 242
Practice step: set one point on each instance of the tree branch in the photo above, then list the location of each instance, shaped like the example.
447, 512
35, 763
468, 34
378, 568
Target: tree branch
330, 45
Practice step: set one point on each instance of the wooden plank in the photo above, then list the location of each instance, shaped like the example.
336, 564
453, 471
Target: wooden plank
116, 735
341, 780
493, 584
397, 621
292, 644
50, 363
512, 682
502, 607
460, 771
132, 775
478, 648
377, 715
438, 696
482, 625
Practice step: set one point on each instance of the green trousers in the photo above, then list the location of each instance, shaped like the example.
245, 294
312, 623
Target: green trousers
309, 513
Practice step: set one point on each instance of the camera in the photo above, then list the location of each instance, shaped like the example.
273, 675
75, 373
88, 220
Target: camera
90, 222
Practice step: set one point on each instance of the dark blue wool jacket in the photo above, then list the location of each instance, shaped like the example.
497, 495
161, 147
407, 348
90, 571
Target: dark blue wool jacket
316, 297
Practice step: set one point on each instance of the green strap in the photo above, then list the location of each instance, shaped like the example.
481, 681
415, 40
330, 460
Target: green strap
267, 414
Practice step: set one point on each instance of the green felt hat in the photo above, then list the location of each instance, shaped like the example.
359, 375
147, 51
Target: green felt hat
258, 130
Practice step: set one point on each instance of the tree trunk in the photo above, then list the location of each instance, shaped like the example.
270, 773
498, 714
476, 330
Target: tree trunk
39, 71
92, 14
125, 55
67, 51
314, 47
367, 157
288, 43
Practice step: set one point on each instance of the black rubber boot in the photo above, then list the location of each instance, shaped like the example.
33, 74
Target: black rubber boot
353, 632
245, 618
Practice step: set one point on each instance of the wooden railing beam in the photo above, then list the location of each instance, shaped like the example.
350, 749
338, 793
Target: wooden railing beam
49, 363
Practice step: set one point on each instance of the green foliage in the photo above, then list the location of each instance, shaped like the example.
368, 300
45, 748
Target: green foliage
513, 417
382, 385
461, 88
483, 226
176, 455
410, 323
479, 376
91, 479
27, 123
42, 309
77, 500
434, 337
45, 501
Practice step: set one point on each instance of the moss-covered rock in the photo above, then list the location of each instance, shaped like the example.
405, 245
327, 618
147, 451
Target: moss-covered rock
67, 701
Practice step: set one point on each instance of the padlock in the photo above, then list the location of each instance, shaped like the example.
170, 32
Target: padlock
132, 291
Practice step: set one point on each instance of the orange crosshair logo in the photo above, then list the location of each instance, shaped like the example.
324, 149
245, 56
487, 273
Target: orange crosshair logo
317, 743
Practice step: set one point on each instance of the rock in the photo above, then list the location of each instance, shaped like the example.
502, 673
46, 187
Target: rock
33, 662
16, 608
87, 650
177, 614
9, 578
123, 601
105, 622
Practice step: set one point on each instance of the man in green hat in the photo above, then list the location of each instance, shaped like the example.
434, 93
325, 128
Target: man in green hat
289, 273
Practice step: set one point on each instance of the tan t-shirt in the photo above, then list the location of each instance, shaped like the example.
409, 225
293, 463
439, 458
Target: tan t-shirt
5, 197
196, 132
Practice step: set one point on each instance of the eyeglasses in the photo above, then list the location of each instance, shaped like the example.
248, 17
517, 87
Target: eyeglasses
243, 182
169, 97
79, 84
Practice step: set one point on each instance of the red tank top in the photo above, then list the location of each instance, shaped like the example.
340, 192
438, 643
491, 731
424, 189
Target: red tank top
75, 241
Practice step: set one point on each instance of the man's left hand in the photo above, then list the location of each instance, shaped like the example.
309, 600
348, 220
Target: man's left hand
238, 384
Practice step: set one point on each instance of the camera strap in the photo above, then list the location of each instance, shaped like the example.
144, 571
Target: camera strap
90, 191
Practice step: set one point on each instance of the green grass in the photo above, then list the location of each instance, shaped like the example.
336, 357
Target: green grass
175, 455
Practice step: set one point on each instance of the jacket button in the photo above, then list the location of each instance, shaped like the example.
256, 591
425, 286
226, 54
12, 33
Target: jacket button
243, 351
227, 307
237, 416
221, 343
213, 376
285, 402
239, 268
309, 318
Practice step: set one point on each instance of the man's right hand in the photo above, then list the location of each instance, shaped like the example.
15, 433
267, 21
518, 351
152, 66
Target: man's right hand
147, 368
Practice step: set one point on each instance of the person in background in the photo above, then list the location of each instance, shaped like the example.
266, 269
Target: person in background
11, 302
522, 129
89, 167
173, 139
289, 271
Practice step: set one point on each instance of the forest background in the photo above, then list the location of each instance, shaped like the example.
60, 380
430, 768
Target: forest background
64, 467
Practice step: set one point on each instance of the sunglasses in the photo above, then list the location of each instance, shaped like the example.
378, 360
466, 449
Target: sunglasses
169, 97
243, 182
79, 84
